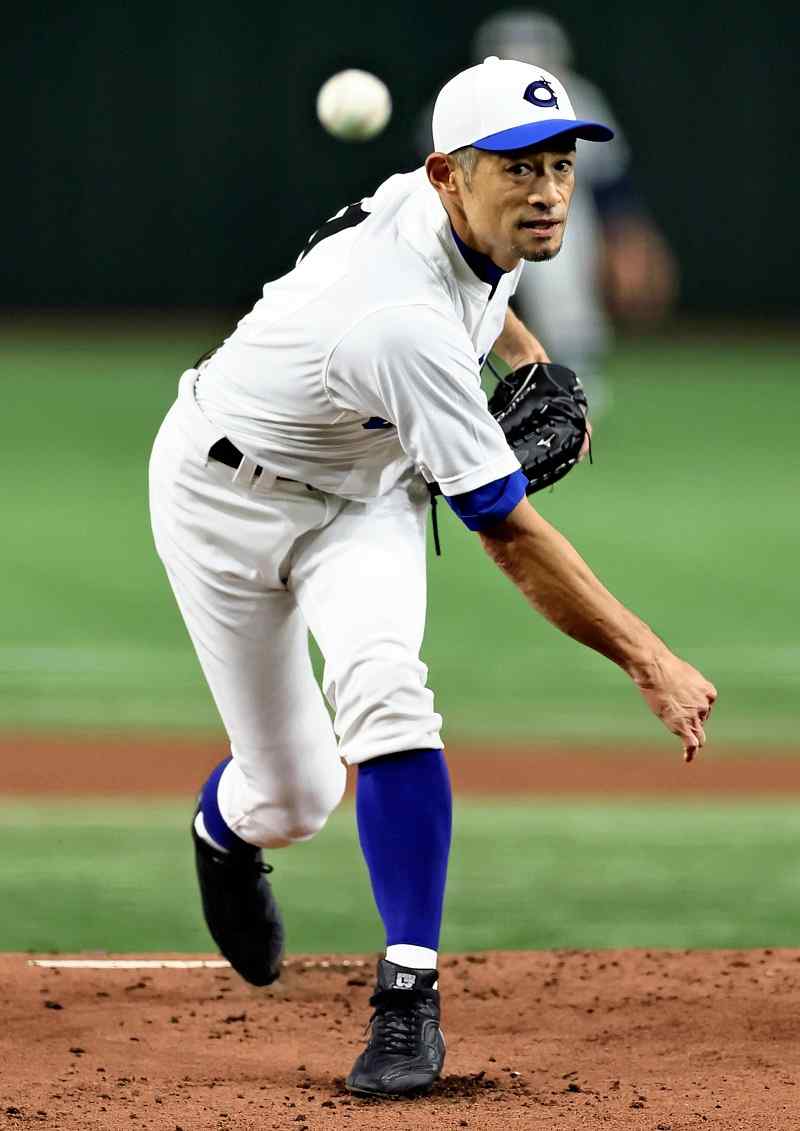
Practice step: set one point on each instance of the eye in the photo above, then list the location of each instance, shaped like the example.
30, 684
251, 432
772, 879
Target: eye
520, 169
564, 165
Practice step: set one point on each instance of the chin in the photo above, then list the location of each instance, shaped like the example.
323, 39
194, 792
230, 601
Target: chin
541, 254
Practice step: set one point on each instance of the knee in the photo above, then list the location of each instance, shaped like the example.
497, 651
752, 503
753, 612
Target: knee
296, 817
383, 705
294, 824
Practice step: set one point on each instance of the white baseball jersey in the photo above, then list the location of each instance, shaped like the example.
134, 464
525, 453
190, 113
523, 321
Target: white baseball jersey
362, 363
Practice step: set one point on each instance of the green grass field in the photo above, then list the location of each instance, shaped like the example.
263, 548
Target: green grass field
687, 515
522, 876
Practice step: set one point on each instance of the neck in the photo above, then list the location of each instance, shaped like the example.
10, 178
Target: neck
461, 227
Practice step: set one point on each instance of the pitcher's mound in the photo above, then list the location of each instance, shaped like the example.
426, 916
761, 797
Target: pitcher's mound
654, 1040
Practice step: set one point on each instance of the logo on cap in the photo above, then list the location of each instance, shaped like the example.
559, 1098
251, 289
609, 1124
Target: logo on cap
541, 94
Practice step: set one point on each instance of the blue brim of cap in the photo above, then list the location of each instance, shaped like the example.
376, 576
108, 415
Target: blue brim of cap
532, 133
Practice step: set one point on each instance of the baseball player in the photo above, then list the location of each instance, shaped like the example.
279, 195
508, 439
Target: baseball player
289, 493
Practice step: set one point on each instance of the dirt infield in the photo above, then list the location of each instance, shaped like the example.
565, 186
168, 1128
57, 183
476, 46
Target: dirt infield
657, 1041
173, 766
661, 1041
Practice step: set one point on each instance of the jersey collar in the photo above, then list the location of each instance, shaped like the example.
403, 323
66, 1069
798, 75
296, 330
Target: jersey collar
481, 265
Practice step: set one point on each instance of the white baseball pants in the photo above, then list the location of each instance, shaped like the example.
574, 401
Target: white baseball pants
254, 565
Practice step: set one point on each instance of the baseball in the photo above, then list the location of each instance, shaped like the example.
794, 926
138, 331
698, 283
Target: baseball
354, 105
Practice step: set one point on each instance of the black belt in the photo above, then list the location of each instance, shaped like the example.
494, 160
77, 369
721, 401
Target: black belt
226, 452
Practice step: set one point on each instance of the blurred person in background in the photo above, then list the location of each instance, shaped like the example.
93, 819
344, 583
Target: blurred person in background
615, 264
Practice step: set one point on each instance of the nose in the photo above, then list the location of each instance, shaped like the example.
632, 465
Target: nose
543, 194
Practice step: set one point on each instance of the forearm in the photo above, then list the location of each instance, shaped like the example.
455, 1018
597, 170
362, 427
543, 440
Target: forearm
517, 345
556, 580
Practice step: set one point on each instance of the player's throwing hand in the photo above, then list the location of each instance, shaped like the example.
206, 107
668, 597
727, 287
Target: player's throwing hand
680, 696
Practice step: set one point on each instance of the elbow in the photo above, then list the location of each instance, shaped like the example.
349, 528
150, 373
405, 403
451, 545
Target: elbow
517, 523
508, 540
501, 542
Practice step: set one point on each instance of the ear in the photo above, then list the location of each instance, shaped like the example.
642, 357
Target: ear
442, 174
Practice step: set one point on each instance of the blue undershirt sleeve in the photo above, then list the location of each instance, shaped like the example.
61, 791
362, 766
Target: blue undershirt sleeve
487, 505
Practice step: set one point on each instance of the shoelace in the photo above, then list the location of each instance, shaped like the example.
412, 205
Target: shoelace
396, 1029
394, 1024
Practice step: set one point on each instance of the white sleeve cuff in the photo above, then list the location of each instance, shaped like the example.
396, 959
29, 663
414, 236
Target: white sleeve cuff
480, 476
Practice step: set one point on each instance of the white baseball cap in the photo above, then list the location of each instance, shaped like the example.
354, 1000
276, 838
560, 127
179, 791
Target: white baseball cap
504, 104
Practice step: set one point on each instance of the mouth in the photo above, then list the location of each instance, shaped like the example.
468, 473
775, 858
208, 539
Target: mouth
541, 228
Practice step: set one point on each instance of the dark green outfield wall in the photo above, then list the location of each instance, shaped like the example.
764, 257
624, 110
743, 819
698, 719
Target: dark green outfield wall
169, 154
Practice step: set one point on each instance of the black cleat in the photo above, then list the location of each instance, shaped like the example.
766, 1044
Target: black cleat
240, 909
406, 1048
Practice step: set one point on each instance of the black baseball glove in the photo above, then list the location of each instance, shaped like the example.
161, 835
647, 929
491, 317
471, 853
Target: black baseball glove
542, 411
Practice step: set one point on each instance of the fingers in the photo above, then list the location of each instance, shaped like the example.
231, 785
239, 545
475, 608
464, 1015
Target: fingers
587, 441
711, 696
691, 744
694, 736
683, 700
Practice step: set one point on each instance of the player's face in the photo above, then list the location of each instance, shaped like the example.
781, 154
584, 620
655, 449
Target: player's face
516, 203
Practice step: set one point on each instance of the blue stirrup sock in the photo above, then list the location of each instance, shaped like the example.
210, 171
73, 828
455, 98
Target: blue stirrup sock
213, 821
404, 815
